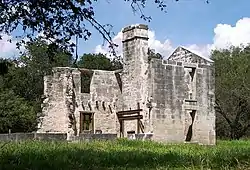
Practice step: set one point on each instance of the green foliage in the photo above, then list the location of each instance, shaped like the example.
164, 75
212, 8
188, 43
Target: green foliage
58, 20
98, 62
15, 113
4, 66
25, 79
232, 91
124, 154
42, 56
95, 62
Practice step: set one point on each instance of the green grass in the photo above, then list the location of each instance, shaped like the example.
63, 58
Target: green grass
123, 154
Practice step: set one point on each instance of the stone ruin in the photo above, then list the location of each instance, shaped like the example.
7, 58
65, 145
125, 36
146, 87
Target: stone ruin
170, 100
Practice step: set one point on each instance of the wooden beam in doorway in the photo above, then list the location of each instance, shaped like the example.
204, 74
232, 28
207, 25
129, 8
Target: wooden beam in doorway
131, 117
129, 112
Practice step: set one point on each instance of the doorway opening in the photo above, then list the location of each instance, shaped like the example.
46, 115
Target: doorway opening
86, 122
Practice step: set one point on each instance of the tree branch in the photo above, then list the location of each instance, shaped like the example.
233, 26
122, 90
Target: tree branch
219, 110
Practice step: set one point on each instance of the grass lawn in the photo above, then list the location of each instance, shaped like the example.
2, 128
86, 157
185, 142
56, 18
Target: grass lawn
123, 154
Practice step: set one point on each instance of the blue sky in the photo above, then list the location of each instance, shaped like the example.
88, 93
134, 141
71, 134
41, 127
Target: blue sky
188, 22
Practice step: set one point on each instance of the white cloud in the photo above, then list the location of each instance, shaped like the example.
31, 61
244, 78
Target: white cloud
7, 49
202, 50
224, 36
164, 48
105, 50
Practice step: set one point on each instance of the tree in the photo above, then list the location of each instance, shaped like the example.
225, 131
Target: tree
232, 78
24, 80
27, 80
42, 56
95, 62
98, 62
60, 20
4, 66
15, 113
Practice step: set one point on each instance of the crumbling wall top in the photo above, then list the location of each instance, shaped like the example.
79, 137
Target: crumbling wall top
138, 26
64, 70
133, 32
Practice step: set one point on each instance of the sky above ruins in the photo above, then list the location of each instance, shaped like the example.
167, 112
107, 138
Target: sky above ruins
190, 23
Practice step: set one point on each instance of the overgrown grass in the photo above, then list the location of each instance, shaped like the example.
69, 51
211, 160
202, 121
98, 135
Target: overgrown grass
124, 154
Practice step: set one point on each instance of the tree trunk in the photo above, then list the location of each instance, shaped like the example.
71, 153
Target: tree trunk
234, 135
237, 132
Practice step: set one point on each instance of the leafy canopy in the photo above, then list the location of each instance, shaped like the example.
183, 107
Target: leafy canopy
98, 62
15, 113
232, 82
21, 87
60, 20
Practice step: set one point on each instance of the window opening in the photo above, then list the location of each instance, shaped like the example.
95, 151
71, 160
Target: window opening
190, 128
86, 76
87, 121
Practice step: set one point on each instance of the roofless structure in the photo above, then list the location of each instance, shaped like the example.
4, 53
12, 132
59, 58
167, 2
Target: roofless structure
171, 99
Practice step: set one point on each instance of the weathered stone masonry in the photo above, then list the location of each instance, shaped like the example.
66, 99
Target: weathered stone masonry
172, 99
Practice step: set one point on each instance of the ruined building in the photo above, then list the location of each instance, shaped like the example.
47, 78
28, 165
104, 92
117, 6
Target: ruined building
172, 99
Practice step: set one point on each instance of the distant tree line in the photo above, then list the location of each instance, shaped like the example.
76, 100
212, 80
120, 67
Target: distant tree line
21, 85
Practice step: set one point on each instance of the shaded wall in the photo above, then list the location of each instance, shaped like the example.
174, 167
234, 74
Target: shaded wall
177, 97
169, 91
205, 124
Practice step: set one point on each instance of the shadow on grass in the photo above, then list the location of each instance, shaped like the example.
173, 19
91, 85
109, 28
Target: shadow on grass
73, 157
91, 159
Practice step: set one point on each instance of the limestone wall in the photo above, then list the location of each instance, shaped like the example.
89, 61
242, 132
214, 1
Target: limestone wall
169, 91
64, 99
176, 95
205, 121
54, 117
103, 101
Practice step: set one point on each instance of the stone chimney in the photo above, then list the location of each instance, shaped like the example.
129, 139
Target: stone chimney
135, 58
135, 43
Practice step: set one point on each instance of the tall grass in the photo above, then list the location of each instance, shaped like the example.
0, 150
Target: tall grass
123, 154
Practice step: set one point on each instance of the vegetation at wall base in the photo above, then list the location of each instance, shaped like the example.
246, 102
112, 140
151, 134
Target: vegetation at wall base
124, 154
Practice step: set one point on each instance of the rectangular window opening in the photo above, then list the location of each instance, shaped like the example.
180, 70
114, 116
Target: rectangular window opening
86, 122
191, 82
192, 72
86, 76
